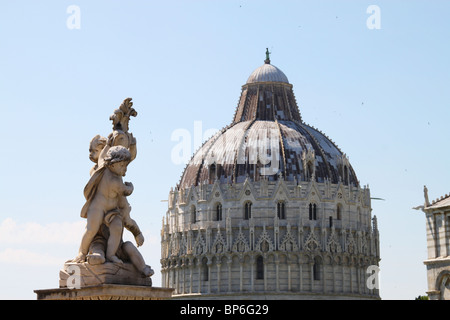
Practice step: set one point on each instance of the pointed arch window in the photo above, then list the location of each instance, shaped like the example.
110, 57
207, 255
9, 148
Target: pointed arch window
281, 210
316, 269
193, 214
219, 212
205, 269
312, 211
260, 268
339, 211
247, 210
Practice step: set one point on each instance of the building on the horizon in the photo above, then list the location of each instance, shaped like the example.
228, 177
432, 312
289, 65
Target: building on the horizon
437, 215
269, 208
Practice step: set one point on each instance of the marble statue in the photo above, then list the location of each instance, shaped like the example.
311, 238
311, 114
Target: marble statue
107, 210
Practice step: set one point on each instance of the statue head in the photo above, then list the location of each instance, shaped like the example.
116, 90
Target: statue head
95, 147
117, 159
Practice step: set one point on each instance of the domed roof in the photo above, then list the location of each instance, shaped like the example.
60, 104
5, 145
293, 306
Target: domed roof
268, 139
270, 149
267, 73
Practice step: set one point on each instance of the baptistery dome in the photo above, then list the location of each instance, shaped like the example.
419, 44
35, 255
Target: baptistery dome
269, 207
268, 115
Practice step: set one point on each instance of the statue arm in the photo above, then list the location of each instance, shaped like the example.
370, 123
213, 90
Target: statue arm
133, 227
127, 189
128, 222
133, 148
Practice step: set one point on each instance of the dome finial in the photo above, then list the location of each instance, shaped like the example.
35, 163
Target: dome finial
267, 56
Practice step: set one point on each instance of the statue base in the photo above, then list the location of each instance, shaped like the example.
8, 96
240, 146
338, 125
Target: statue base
79, 275
106, 292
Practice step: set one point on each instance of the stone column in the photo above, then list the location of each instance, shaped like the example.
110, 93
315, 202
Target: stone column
300, 276
163, 276
358, 270
183, 271
199, 278
277, 280
334, 276
241, 266
351, 277
191, 267
218, 276
265, 274
177, 278
208, 264
445, 234
252, 274
289, 276
229, 263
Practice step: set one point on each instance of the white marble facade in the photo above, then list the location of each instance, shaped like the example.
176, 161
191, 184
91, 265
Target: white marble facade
437, 215
211, 247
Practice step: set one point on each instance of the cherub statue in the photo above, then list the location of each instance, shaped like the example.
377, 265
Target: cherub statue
106, 209
107, 213
109, 236
105, 195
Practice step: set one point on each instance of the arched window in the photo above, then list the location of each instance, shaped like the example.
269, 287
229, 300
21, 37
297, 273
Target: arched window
281, 213
247, 210
205, 269
193, 214
260, 267
312, 211
316, 269
219, 212
339, 211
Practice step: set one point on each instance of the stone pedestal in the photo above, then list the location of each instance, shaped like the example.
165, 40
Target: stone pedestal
80, 275
106, 292
107, 281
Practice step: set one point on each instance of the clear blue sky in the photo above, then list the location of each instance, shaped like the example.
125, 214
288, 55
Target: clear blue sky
381, 94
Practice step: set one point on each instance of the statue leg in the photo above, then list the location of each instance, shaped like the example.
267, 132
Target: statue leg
96, 253
136, 258
94, 220
115, 236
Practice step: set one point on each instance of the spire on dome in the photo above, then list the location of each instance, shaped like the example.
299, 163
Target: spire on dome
267, 61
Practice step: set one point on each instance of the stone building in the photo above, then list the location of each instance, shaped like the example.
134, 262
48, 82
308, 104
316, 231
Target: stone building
438, 243
269, 208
